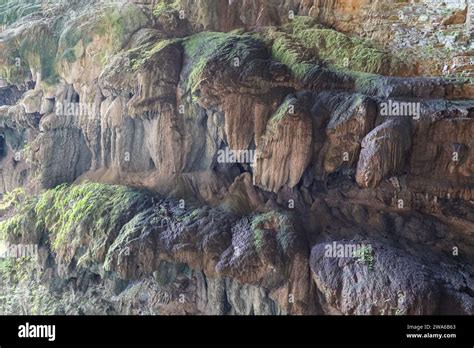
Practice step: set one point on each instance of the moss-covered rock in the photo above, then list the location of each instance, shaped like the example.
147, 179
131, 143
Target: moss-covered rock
297, 56
164, 7
347, 52
200, 48
302, 44
21, 291
12, 10
271, 223
78, 218
29, 55
142, 55
92, 40
47, 47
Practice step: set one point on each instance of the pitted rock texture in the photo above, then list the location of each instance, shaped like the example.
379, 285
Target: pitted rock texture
390, 283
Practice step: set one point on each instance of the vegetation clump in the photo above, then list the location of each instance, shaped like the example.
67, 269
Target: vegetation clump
166, 6
226, 51
74, 214
295, 55
288, 107
19, 208
366, 256
343, 51
34, 52
12, 10
142, 54
303, 45
273, 222
113, 25
200, 48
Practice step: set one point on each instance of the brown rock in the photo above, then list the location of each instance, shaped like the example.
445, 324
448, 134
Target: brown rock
285, 150
457, 17
384, 152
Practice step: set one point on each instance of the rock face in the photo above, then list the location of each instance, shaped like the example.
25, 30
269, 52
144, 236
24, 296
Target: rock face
394, 283
384, 153
200, 157
285, 149
193, 259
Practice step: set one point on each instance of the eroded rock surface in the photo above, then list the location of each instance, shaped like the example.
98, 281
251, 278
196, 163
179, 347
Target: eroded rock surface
261, 132
387, 282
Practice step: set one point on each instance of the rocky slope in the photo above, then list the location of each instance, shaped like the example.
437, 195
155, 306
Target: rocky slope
201, 157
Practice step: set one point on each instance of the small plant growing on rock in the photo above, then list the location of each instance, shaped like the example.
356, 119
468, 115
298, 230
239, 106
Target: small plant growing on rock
277, 222
12, 198
366, 256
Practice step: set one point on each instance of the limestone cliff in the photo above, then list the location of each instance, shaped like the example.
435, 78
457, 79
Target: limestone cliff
202, 157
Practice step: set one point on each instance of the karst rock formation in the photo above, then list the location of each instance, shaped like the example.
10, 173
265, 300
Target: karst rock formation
114, 116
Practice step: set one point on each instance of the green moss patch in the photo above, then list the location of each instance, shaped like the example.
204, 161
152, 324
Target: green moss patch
223, 49
113, 24
87, 214
96, 207
12, 10
343, 51
366, 256
200, 48
141, 55
38, 49
303, 46
281, 113
294, 54
275, 223
165, 7
20, 209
